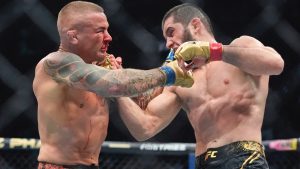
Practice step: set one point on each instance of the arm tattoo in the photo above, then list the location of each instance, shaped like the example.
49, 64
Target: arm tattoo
143, 99
72, 70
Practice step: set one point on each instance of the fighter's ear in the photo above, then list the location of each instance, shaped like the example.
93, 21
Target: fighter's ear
196, 23
72, 36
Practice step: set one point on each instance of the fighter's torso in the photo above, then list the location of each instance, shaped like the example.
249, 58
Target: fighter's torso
72, 122
224, 105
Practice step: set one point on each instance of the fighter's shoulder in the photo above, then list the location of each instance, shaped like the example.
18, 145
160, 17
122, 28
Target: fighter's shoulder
246, 41
59, 59
62, 57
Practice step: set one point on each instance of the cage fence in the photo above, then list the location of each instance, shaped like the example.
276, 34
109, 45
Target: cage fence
21, 153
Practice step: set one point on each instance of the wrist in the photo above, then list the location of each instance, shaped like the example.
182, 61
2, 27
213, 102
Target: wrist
169, 74
171, 56
216, 50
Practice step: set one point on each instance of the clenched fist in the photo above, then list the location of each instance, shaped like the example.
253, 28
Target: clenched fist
205, 50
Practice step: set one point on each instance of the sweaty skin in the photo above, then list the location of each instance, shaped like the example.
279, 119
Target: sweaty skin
72, 91
229, 109
226, 102
72, 122
72, 117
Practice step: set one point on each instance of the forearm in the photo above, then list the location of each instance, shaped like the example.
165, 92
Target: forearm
135, 119
159, 113
125, 82
251, 56
245, 52
253, 60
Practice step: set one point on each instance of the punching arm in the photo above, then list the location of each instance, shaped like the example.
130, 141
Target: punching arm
73, 71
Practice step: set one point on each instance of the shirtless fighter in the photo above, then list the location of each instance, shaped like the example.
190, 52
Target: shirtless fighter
226, 104
71, 92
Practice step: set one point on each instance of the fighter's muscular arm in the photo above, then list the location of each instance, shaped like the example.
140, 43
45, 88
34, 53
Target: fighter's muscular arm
144, 124
144, 98
72, 70
252, 56
245, 52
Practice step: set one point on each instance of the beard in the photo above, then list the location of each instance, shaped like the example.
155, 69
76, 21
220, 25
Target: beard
187, 36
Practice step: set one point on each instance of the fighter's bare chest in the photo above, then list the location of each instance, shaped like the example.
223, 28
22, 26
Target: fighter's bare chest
89, 102
210, 83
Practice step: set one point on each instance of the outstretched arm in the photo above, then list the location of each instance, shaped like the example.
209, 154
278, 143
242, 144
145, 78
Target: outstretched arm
144, 124
70, 69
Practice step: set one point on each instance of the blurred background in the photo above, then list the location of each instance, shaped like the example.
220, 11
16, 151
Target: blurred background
28, 33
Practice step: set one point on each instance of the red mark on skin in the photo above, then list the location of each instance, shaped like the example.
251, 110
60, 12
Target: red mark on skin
88, 138
226, 81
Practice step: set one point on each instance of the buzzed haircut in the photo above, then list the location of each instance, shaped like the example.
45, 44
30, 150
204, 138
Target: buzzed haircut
80, 6
184, 13
76, 8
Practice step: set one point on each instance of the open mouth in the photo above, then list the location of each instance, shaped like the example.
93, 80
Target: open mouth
104, 47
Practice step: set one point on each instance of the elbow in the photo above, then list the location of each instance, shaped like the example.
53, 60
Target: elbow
140, 139
141, 136
144, 134
278, 66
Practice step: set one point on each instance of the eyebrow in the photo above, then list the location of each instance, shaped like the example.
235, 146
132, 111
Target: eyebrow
101, 28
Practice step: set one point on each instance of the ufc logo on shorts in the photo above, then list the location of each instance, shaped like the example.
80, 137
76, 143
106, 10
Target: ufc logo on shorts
211, 154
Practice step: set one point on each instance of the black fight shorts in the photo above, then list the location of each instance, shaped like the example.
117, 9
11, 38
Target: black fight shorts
237, 155
45, 165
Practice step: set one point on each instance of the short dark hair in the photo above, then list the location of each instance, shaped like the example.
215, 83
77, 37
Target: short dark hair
184, 13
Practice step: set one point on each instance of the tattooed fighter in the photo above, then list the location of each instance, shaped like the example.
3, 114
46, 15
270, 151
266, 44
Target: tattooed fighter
71, 91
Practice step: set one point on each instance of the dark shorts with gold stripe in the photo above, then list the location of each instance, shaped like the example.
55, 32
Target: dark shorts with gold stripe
237, 155
45, 165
